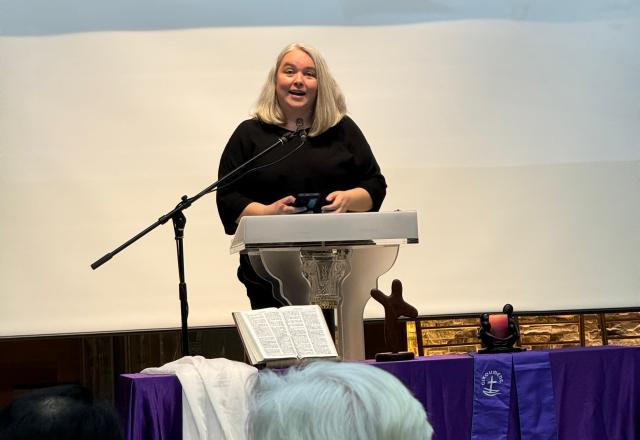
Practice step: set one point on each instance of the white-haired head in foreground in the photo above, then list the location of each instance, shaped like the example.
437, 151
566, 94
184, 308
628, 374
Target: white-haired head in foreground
334, 400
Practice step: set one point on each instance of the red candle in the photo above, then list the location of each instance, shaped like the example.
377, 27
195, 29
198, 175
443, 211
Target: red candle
499, 325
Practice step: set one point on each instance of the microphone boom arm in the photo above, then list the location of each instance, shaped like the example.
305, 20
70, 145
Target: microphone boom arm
179, 222
186, 202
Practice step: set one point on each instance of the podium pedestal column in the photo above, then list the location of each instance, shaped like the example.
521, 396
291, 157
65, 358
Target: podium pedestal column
336, 277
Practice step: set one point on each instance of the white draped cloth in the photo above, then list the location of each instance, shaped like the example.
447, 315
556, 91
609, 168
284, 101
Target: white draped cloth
215, 396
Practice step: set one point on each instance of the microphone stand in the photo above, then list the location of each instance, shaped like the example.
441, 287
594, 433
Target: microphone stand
179, 223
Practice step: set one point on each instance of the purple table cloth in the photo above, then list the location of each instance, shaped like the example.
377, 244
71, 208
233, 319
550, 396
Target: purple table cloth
150, 406
597, 396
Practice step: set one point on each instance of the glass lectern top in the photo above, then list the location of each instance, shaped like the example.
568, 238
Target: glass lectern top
350, 229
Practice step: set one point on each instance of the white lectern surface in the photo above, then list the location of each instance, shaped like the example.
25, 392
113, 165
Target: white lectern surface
272, 231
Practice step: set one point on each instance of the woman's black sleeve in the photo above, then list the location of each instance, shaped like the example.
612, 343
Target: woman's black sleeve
370, 177
230, 201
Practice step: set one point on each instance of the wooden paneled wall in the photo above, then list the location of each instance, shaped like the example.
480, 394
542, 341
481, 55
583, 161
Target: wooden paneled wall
96, 360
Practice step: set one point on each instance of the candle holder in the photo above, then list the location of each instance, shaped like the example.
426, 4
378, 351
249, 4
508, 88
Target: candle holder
499, 333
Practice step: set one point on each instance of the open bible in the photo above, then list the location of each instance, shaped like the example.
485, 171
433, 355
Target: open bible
285, 336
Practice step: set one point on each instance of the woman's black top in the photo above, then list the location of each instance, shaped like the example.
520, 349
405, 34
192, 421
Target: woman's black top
337, 160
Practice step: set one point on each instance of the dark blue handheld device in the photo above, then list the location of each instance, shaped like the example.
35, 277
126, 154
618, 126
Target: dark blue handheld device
312, 201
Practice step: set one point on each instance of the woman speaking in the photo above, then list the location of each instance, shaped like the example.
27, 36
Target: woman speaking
331, 157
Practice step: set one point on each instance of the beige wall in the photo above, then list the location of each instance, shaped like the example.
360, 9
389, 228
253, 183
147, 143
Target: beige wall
514, 137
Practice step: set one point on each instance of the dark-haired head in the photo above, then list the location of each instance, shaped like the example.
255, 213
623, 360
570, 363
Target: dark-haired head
63, 412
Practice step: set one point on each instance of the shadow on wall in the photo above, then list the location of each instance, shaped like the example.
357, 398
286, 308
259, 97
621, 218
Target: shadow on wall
46, 17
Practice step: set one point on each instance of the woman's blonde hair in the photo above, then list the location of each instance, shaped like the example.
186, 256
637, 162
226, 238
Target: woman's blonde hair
329, 107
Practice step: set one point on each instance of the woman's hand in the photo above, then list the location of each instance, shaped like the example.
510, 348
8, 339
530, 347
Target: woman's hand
282, 206
354, 200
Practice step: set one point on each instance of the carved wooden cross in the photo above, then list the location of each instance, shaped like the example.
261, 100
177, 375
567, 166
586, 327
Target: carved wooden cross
394, 307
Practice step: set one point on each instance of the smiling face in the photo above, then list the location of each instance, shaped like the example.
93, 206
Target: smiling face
297, 85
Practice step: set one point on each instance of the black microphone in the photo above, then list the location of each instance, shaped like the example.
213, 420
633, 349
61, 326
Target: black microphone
300, 131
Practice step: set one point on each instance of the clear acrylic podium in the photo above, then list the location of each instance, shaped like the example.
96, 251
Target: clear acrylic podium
333, 260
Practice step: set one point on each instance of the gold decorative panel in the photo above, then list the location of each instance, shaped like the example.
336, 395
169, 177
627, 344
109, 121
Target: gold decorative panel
538, 331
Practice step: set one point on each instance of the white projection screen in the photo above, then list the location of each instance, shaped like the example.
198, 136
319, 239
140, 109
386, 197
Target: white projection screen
511, 127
